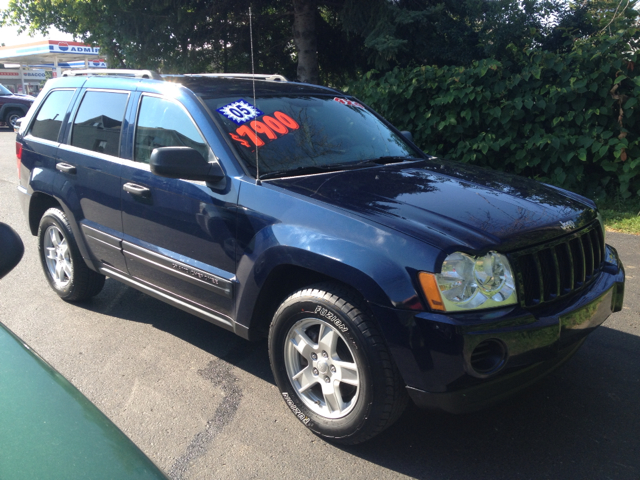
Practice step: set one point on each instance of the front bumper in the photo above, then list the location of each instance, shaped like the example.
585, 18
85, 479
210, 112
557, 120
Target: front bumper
440, 355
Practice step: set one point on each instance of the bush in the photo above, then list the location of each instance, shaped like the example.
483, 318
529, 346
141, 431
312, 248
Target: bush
570, 119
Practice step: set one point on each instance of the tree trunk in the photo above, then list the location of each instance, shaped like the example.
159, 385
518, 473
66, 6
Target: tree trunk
304, 36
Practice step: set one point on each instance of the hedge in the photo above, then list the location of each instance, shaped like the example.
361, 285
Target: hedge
570, 119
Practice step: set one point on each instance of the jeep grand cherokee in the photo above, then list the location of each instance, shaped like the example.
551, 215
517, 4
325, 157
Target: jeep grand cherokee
293, 211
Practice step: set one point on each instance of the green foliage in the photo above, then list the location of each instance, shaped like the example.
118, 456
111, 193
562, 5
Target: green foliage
570, 119
621, 215
456, 32
191, 36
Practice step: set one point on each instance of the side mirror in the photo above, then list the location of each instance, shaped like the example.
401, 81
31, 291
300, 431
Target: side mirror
11, 249
183, 162
406, 134
16, 124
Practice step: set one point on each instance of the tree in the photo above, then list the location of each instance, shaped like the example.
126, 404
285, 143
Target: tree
305, 38
326, 41
197, 35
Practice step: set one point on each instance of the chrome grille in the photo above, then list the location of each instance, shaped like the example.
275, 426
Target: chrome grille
559, 268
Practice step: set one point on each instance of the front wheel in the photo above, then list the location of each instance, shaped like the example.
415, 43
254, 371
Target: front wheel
64, 267
332, 366
12, 118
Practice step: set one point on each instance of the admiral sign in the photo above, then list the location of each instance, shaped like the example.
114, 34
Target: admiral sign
72, 47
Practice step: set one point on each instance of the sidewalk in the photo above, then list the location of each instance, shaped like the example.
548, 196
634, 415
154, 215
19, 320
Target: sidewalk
628, 247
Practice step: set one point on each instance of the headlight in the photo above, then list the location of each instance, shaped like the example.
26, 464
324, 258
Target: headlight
467, 282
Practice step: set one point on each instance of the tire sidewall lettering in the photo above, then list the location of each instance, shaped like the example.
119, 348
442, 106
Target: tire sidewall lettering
319, 309
296, 410
332, 317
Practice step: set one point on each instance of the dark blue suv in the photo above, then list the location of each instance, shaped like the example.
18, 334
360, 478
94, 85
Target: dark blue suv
292, 211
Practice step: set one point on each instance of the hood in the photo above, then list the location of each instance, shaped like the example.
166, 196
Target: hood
25, 99
451, 205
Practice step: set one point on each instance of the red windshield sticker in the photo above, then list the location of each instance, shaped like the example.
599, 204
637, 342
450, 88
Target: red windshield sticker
269, 127
349, 103
241, 141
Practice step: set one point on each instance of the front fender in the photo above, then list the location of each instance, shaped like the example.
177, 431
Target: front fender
380, 278
13, 106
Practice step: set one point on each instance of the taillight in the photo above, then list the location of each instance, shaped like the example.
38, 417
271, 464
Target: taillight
19, 156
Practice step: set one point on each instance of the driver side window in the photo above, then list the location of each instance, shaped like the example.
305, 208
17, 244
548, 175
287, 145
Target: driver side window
163, 123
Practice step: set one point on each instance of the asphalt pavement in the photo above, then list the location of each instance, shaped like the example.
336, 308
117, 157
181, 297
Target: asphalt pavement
202, 402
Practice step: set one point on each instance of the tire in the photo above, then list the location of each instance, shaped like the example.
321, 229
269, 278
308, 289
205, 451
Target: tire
64, 267
332, 367
12, 116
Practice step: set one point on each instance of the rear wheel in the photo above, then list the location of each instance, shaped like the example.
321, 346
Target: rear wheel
332, 366
64, 267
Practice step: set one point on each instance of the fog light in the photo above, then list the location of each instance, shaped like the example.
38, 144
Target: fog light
488, 357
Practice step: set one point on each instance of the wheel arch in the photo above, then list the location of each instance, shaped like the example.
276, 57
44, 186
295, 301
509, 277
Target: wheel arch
8, 107
281, 282
269, 275
40, 203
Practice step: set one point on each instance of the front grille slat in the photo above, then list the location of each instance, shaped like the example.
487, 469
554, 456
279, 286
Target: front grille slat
577, 252
588, 255
597, 247
530, 287
565, 267
559, 268
549, 273
539, 277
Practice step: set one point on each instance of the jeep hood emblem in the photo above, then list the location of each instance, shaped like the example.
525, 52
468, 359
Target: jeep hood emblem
568, 225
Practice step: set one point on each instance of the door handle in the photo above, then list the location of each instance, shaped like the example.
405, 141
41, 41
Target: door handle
66, 168
137, 190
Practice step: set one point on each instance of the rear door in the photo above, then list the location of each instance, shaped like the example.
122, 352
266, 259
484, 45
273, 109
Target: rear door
91, 164
179, 235
41, 141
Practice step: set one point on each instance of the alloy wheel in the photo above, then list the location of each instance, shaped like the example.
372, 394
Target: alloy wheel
322, 368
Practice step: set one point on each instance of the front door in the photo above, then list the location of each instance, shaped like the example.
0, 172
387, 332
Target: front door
179, 235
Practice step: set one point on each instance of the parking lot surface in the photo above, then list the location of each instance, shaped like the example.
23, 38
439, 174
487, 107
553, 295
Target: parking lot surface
202, 402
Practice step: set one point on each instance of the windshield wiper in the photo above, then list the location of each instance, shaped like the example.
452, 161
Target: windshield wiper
293, 172
390, 159
306, 170
371, 162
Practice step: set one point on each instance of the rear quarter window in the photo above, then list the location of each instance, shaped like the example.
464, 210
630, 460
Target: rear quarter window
49, 118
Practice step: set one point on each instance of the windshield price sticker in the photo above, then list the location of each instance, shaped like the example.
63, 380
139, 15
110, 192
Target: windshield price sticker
349, 103
269, 126
240, 112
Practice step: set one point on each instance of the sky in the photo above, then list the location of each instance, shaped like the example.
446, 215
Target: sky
9, 35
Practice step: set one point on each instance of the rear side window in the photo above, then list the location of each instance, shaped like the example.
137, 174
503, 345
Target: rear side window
49, 118
98, 123
162, 123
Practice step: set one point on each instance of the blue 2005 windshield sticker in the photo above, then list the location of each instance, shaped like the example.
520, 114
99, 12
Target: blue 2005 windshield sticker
240, 112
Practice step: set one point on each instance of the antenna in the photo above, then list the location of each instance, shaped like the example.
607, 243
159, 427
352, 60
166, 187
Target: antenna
255, 104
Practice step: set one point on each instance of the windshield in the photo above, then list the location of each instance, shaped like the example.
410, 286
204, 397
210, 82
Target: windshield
305, 132
4, 90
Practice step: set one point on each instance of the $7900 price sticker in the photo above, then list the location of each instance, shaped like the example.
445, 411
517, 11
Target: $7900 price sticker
269, 127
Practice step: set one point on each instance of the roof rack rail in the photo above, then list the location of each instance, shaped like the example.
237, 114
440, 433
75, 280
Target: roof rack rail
116, 72
257, 76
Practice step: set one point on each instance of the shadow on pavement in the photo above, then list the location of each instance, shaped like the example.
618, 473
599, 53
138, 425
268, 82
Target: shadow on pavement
580, 422
120, 301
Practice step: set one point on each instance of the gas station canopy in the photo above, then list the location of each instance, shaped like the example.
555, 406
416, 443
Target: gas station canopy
54, 54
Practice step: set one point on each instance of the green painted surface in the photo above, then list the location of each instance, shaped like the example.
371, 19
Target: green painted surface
49, 430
